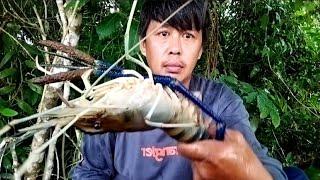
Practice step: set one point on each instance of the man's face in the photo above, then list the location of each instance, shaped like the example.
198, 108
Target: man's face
171, 52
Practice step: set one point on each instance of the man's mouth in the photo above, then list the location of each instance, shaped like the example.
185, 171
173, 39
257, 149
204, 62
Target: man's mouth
173, 68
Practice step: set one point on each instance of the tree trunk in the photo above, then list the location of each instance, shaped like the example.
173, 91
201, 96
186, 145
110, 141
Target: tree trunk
71, 22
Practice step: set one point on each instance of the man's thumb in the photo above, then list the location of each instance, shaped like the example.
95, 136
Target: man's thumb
195, 151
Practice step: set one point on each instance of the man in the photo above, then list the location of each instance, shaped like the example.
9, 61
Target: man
174, 49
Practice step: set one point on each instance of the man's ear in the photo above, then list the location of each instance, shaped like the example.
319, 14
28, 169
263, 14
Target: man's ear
200, 53
143, 47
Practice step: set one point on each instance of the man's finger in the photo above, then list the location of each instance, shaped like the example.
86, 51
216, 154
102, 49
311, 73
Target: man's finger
198, 151
195, 172
211, 128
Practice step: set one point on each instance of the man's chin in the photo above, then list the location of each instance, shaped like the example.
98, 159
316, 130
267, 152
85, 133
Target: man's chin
177, 77
173, 75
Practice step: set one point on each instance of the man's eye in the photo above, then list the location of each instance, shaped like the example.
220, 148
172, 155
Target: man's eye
188, 35
164, 34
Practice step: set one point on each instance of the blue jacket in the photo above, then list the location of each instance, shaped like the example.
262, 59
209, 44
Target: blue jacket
153, 154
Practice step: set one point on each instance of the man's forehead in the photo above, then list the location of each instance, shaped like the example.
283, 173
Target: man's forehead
167, 25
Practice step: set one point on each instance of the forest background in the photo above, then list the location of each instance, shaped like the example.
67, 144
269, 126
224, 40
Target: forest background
268, 52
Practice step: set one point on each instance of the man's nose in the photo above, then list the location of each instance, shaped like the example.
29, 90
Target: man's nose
175, 45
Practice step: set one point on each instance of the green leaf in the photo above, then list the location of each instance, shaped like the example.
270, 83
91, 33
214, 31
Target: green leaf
34, 98
254, 123
278, 18
7, 162
10, 44
251, 97
6, 176
31, 96
36, 88
30, 64
125, 5
134, 37
268, 7
266, 51
6, 58
254, 71
23, 153
266, 108
262, 105
72, 4
32, 49
275, 118
7, 72
230, 80
25, 107
7, 89
247, 88
313, 172
264, 20
2, 123
3, 103
8, 112
109, 26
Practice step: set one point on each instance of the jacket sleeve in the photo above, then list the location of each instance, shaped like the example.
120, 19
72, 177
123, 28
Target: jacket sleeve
233, 112
97, 162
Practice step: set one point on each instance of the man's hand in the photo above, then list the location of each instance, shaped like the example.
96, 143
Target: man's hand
228, 159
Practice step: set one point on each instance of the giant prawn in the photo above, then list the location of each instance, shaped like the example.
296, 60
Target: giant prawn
128, 102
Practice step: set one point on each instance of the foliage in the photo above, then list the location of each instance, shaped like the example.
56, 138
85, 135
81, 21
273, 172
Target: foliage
313, 172
269, 56
274, 47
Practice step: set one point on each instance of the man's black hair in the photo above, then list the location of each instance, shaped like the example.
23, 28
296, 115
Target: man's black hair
192, 17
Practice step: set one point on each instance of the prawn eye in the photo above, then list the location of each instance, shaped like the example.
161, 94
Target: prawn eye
89, 98
97, 124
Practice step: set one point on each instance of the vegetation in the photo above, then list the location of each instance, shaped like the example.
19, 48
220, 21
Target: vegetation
269, 54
